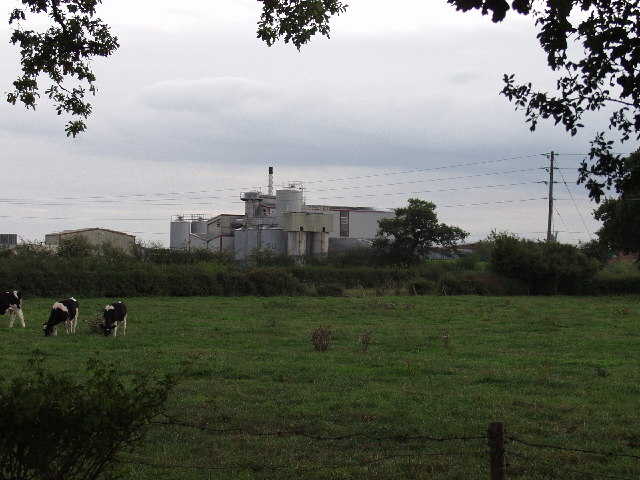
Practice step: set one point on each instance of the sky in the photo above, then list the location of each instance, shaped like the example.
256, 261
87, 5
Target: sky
193, 109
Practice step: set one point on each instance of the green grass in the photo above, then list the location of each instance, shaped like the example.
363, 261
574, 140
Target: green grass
560, 371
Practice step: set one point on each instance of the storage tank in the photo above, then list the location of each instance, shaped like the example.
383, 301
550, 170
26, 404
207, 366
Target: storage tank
179, 234
288, 200
199, 226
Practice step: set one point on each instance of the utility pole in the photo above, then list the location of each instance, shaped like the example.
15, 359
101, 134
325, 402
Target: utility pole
550, 217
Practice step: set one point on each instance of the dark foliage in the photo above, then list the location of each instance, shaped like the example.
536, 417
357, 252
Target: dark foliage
547, 267
321, 338
409, 237
57, 427
621, 216
602, 74
63, 53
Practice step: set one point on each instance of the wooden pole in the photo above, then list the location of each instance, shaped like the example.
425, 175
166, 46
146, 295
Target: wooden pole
550, 215
496, 451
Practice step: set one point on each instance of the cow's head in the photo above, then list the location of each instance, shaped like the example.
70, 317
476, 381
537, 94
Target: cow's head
59, 313
110, 320
47, 328
106, 329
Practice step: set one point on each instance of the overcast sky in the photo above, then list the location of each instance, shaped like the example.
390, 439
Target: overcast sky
193, 109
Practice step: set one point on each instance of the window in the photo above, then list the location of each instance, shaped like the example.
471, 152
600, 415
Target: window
344, 223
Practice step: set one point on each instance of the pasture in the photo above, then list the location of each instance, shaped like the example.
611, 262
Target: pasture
390, 399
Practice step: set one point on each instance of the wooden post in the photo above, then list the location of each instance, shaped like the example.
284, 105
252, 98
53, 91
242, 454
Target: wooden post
496, 451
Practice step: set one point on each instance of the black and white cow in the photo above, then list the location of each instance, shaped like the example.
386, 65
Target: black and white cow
12, 302
114, 314
63, 311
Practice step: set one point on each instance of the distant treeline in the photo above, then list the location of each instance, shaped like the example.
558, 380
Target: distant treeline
504, 265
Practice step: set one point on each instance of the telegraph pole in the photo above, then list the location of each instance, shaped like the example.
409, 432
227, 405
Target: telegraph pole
550, 217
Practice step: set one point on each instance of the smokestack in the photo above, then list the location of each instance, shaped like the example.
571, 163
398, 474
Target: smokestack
270, 181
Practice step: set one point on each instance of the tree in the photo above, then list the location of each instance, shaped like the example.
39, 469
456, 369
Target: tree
75, 246
63, 53
621, 216
411, 234
601, 74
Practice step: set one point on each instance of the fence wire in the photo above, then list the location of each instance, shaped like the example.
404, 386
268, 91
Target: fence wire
571, 449
565, 469
399, 438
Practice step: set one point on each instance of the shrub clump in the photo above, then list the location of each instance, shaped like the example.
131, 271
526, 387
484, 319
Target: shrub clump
321, 338
422, 286
330, 290
55, 426
94, 323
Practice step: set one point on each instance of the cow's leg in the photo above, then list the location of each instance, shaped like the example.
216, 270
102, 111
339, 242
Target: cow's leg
115, 330
12, 316
124, 325
21, 317
55, 330
66, 325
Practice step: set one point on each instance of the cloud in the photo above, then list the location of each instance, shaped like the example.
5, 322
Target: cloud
227, 96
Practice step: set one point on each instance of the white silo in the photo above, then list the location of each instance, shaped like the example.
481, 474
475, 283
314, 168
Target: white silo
179, 234
288, 200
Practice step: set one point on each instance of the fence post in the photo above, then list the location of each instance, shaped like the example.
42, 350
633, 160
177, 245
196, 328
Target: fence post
495, 436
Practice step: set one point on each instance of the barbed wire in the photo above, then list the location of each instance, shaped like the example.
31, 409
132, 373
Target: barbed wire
570, 449
281, 433
565, 469
255, 467
508, 439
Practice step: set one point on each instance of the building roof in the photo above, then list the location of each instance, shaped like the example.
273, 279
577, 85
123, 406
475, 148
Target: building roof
80, 230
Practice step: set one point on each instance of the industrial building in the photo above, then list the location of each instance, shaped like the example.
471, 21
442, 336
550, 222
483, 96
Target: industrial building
8, 241
281, 222
95, 236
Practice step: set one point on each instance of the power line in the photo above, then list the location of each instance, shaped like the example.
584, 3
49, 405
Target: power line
575, 205
429, 180
470, 164
493, 203
433, 191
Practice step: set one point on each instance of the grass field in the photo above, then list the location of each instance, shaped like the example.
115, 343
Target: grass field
558, 371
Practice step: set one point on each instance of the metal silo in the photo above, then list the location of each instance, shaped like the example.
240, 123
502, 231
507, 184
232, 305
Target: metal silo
288, 200
179, 234
199, 225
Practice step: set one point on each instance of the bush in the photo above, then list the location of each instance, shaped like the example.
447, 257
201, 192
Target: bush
458, 284
548, 267
321, 338
421, 286
56, 427
330, 290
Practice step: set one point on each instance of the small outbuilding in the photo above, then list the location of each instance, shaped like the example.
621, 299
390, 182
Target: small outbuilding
95, 236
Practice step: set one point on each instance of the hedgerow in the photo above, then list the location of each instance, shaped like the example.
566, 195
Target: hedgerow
43, 274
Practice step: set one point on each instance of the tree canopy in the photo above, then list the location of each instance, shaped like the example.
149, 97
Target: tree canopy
63, 53
592, 45
621, 216
410, 235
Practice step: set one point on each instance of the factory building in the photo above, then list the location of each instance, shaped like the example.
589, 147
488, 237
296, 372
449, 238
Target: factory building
280, 222
8, 241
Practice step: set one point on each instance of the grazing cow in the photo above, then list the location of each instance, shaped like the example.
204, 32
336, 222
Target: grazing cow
63, 311
114, 314
12, 302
